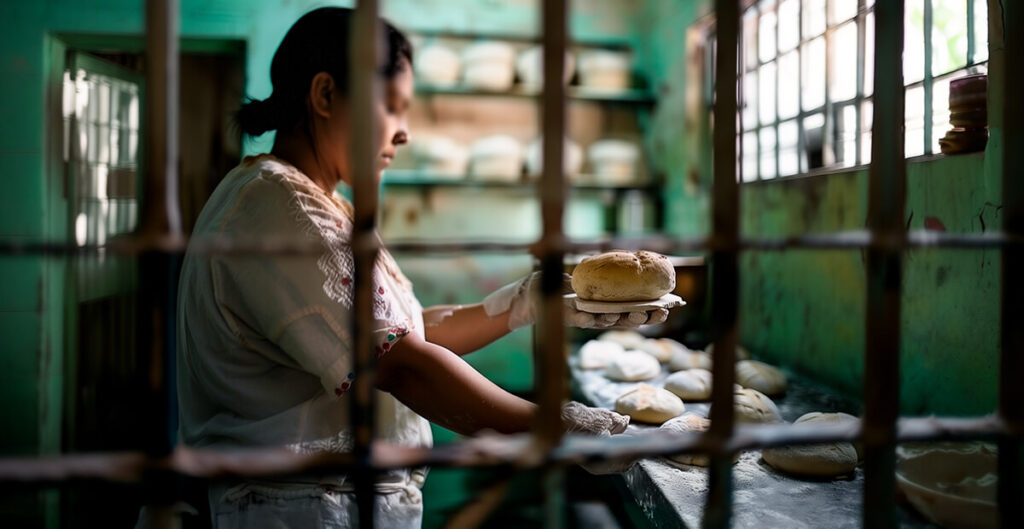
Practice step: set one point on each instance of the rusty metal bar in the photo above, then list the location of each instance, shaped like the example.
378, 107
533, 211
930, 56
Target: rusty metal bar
484, 451
551, 383
364, 58
886, 200
1011, 362
724, 267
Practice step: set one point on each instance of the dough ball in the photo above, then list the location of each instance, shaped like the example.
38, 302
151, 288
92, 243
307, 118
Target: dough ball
741, 352
691, 422
687, 359
625, 338
631, 366
839, 417
624, 276
690, 384
660, 348
753, 406
820, 460
760, 376
596, 354
649, 404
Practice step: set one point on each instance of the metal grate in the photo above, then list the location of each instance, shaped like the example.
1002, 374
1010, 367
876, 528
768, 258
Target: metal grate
159, 243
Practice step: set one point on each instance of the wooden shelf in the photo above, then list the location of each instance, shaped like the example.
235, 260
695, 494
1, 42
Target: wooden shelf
579, 93
588, 42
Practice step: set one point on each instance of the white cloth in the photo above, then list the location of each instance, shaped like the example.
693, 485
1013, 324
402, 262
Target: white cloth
264, 350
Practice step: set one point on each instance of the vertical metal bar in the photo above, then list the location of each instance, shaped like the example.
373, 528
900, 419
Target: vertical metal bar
971, 46
549, 357
801, 140
928, 89
861, 21
364, 57
1011, 364
775, 117
886, 201
724, 263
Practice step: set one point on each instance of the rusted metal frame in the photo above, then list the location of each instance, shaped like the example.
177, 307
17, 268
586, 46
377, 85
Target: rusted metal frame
551, 372
886, 202
861, 21
364, 92
491, 451
928, 78
724, 267
1011, 363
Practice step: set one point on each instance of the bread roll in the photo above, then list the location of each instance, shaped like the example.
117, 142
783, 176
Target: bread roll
626, 338
690, 384
690, 422
687, 359
624, 276
631, 366
649, 404
760, 376
753, 406
660, 348
596, 354
820, 460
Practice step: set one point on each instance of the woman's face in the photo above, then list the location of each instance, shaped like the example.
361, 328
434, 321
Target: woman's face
393, 116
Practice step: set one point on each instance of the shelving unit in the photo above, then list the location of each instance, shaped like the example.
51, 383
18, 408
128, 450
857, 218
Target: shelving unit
633, 95
400, 177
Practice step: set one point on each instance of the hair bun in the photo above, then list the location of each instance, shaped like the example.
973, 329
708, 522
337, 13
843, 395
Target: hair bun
258, 116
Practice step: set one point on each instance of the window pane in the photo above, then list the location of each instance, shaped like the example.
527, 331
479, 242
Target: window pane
843, 84
940, 110
788, 159
767, 153
750, 38
813, 18
913, 42
749, 169
750, 100
766, 96
814, 142
766, 36
846, 125
869, 53
842, 10
789, 24
980, 31
865, 135
789, 85
813, 73
914, 121
949, 35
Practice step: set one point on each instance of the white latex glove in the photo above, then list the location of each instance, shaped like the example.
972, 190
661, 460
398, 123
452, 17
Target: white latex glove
521, 299
579, 418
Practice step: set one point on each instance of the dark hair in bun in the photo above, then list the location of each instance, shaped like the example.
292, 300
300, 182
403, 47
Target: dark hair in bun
317, 42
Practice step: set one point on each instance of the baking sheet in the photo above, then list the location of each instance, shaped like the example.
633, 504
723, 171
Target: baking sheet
673, 495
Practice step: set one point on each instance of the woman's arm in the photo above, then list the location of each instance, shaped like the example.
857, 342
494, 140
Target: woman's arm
444, 389
463, 329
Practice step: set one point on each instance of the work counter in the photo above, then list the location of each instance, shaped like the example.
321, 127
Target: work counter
673, 495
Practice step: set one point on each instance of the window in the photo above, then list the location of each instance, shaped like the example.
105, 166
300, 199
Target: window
807, 77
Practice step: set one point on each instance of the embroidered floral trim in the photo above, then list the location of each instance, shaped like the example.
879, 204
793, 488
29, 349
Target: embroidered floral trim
340, 442
343, 387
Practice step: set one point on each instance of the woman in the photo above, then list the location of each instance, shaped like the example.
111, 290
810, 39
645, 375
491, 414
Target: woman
265, 355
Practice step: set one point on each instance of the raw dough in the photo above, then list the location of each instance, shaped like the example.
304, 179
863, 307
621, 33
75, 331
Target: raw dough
687, 359
624, 276
760, 376
690, 422
660, 348
649, 404
627, 339
690, 384
631, 366
753, 406
741, 352
839, 417
437, 65
596, 354
820, 460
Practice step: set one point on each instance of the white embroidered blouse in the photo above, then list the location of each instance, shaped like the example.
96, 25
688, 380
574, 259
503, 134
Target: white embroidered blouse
264, 349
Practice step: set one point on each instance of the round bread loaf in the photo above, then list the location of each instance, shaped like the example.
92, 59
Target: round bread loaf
596, 354
624, 337
624, 276
687, 359
649, 404
760, 376
753, 406
690, 384
631, 366
690, 422
820, 460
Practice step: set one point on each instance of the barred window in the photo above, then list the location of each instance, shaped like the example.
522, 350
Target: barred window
807, 78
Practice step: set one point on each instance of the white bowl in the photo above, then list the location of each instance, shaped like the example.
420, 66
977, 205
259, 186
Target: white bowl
951, 484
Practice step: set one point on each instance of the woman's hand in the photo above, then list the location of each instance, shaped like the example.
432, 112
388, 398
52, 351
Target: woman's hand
521, 300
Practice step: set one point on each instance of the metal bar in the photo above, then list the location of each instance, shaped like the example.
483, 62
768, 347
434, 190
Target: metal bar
971, 46
928, 78
551, 371
1011, 362
861, 21
724, 268
484, 451
364, 58
886, 201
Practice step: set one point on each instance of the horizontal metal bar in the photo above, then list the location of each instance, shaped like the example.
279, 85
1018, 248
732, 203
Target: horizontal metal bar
482, 451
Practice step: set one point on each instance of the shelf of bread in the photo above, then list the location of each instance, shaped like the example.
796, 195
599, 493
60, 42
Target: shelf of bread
581, 93
415, 177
